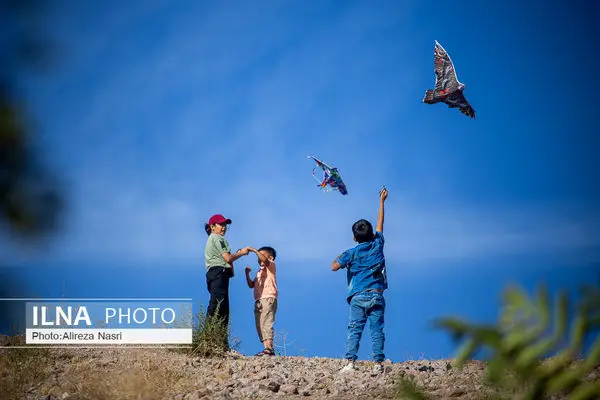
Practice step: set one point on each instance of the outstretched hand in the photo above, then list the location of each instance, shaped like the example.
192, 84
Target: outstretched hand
244, 251
383, 194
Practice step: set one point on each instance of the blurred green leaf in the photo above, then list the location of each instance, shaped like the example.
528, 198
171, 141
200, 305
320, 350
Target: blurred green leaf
578, 332
529, 329
586, 391
31, 201
407, 389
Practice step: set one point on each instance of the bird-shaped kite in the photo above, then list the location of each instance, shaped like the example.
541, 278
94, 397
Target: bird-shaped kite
448, 89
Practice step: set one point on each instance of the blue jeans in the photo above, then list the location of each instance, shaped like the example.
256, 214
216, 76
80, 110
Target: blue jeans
363, 306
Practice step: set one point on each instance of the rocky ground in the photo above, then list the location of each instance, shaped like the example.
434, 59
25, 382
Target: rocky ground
167, 374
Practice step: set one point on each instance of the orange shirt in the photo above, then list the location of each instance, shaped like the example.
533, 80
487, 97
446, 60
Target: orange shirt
265, 283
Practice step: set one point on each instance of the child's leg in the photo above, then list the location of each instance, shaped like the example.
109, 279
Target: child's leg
267, 319
356, 325
376, 322
257, 310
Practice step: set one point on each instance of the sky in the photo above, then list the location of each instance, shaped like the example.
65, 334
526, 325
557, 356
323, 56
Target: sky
159, 114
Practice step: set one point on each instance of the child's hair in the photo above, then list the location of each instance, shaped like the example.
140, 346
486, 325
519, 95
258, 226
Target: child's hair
269, 250
207, 229
362, 230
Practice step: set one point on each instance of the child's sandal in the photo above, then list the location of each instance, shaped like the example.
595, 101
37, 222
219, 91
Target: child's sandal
266, 352
269, 352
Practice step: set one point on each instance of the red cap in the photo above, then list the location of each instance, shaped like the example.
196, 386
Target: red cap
218, 219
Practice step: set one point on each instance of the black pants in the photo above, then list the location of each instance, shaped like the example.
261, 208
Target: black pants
217, 281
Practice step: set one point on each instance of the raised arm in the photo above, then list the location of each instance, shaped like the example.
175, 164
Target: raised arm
382, 196
249, 281
261, 257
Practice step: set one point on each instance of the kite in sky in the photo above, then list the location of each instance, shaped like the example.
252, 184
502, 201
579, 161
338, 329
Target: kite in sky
447, 87
331, 177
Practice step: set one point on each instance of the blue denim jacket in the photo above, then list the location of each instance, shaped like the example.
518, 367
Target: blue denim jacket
365, 266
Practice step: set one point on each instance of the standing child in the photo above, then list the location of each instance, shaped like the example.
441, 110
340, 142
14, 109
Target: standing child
265, 297
366, 275
219, 266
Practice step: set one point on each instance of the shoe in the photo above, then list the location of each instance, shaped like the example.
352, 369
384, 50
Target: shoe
377, 368
265, 352
349, 367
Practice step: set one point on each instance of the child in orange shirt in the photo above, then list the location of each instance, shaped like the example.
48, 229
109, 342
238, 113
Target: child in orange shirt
265, 296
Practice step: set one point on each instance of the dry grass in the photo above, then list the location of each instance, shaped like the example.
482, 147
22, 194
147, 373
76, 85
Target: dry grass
94, 375
91, 375
150, 379
21, 370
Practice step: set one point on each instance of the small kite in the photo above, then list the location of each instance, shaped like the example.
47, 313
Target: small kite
331, 178
448, 89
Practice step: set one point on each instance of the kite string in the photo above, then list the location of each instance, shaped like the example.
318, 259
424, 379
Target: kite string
315, 175
325, 188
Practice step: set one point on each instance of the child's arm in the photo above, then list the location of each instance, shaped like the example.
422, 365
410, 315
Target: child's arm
249, 281
341, 261
261, 257
382, 196
336, 265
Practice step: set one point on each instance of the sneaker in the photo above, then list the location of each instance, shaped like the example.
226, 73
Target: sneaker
349, 367
377, 368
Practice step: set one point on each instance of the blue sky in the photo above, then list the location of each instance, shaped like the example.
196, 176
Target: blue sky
159, 115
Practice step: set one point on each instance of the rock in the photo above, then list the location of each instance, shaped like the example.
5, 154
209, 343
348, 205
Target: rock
248, 392
103, 363
243, 381
197, 394
265, 378
424, 366
273, 386
457, 392
262, 375
338, 391
222, 396
288, 389
212, 387
4, 340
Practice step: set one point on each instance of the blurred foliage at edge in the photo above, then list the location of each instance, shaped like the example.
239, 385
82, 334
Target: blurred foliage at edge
30, 197
533, 352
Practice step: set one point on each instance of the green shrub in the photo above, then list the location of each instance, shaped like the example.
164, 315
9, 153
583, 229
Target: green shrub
526, 334
211, 336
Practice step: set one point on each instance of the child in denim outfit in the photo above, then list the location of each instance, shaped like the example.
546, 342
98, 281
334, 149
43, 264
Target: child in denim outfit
366, 275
